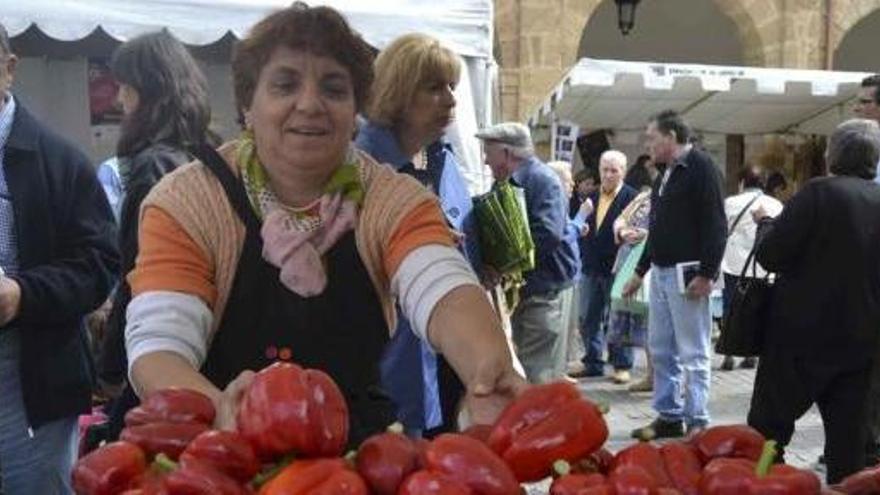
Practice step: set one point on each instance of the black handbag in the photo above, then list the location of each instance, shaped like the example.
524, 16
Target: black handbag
746, 315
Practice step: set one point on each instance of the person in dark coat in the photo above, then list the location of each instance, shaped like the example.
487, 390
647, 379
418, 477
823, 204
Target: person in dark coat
58, 259
824, 316
164, 98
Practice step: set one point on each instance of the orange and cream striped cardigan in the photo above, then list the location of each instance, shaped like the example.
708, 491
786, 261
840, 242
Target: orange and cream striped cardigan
191, 237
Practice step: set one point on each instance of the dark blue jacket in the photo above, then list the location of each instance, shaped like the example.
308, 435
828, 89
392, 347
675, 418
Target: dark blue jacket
68, 262
556, 255
416, 394
598, 249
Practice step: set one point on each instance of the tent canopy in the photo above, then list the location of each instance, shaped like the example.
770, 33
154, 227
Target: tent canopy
465, 25
715, 99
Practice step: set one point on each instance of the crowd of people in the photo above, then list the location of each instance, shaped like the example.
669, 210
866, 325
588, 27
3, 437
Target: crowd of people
337, 231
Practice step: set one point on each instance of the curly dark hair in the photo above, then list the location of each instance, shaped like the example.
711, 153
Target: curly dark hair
318, 30
172, 94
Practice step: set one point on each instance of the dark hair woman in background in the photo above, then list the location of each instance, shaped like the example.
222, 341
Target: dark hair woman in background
164, 98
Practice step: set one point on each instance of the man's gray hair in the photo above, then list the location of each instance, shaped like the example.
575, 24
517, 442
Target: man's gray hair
854, 149
614, 156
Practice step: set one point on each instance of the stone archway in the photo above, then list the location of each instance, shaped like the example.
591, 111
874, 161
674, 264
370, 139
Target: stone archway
662, 34
538, 40
855, 47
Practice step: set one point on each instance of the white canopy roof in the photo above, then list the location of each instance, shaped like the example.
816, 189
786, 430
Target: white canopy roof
466, 25
714, 99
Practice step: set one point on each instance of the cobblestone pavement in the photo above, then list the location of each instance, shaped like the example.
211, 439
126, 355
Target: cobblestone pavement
730, 392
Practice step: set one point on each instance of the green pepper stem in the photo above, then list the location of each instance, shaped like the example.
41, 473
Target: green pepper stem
272, 470
164, 463
768, 455
561, 467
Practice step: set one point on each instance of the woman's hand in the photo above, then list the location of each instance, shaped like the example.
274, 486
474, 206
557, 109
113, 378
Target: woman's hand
632, 235
227, 404
494, 385
759, 214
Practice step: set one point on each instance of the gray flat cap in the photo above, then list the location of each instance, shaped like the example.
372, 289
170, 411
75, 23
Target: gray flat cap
509, 133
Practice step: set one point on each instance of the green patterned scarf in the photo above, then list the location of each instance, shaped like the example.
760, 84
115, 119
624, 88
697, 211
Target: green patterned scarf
346, 179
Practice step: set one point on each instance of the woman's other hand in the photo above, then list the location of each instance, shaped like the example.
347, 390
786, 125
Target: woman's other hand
633, 235
229, 400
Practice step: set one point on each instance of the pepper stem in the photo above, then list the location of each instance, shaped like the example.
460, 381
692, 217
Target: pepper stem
271, 471
396, 427
768, 455
164, 463
561, 467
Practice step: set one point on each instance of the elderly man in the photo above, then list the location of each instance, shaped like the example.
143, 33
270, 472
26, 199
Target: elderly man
57, 250
687, 229
538, 322
598, 252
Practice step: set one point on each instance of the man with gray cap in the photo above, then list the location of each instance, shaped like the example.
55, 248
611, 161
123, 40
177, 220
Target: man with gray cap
539, 328
58, 258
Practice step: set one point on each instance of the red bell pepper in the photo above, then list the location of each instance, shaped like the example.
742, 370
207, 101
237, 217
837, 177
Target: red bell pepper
647, 457
544, 424
288, 409
109, 470
472, 463
166, 438
226, 451
865, 482
199, 478
314, 477
479, 432
739, 476
431, 483
533, 405
632, 480
173, 405
729, 441
683, 466
385, 460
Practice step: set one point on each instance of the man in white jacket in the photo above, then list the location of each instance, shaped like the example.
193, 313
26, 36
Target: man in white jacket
741, 229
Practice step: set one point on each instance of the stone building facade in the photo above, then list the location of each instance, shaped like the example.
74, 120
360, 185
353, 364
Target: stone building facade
538, 40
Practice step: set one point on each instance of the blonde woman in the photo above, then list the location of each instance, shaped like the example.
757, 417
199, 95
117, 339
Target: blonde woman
411, 105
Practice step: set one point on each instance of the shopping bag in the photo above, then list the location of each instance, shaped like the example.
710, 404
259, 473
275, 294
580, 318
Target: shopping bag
638, 304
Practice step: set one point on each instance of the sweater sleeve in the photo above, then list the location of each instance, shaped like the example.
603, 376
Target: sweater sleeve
169, 260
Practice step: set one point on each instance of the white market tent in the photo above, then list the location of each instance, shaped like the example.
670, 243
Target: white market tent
465, 26
623, 95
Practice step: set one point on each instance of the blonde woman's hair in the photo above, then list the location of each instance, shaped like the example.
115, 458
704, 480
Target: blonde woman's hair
402, 68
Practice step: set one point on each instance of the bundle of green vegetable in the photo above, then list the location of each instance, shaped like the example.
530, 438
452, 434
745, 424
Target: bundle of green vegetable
505, 240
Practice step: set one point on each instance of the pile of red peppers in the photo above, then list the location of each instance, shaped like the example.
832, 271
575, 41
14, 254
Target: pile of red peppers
292, 431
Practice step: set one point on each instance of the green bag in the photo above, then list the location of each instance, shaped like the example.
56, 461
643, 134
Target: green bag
638, 304
505, 240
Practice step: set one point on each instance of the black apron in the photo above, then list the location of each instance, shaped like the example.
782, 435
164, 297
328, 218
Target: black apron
342, 331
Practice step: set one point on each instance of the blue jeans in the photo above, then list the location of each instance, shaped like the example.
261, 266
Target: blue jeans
679, 338
595, 296
31, 461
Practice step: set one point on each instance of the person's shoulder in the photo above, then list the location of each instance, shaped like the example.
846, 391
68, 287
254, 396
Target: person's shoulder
629, 192
57, 149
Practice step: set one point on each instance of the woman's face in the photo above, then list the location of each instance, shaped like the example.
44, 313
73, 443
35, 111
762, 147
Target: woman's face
303, 111
128, 98
432, 110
